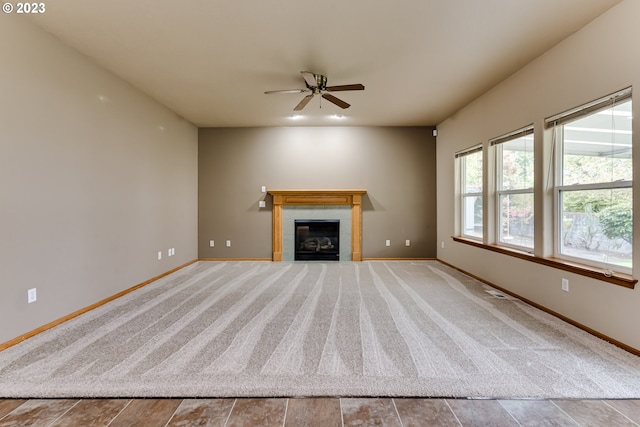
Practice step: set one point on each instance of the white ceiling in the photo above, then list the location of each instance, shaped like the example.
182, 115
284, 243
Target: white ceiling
210, 61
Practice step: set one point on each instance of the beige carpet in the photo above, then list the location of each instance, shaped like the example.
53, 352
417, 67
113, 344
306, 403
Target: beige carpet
400, 328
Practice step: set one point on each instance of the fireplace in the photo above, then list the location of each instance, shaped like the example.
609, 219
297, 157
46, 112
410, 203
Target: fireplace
317, 240
351, 198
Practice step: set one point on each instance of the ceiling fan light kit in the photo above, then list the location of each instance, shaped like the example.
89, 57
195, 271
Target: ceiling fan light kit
317, 85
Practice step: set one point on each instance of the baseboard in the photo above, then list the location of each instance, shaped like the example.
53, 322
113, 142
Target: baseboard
271, 259
235, 259
399, 259
562, 317
57, 322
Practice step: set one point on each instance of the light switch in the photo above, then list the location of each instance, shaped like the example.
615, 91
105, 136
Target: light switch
262, 204
32, 296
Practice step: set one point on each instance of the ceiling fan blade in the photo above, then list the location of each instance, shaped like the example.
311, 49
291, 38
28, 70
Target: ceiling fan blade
304, 102
339, 102
356, 86
310, 78
287, 91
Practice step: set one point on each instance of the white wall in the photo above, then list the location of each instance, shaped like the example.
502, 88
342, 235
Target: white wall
95, 178
597, 60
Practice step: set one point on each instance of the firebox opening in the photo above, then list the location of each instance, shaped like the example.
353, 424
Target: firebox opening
317, 240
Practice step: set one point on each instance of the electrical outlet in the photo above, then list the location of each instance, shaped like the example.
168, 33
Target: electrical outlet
263, 189
565, 285
407, 242
211, 243
32, 295
228, 243
159, 254
442, 245
387, 243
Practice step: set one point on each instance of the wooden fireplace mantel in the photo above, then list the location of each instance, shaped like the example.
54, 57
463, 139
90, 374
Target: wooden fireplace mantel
351, 198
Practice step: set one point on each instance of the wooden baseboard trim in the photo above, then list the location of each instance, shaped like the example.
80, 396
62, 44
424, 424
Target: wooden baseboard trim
579, 325
63, 319
235, 259
363, 259
399, 259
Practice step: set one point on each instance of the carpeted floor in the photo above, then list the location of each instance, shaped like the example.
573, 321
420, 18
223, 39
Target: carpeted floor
401, 328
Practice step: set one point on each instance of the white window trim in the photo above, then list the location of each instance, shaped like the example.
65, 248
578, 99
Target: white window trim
463, 195
556, 123
495, 142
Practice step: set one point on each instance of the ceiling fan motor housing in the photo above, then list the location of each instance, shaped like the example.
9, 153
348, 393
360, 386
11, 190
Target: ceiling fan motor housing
321, 82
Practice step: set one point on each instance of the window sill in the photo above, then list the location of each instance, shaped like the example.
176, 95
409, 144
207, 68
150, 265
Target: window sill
583, 270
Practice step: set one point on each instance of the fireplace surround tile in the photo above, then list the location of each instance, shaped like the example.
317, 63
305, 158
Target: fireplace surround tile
291, 213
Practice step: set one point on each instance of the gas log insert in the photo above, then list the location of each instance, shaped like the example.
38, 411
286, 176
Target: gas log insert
317, 240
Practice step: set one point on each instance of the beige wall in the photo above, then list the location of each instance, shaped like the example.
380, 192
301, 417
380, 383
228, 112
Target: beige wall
600, 59
395, 165
95, 178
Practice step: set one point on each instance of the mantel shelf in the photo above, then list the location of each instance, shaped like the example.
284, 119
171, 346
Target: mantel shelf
315, 197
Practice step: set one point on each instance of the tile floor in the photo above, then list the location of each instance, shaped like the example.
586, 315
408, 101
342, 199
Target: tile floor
325, 412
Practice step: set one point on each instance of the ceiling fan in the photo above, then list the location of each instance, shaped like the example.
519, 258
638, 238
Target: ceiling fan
317, 85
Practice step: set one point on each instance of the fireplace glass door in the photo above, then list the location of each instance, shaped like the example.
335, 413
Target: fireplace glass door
317, 240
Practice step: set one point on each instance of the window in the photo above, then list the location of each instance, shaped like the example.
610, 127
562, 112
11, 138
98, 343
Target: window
514, 189
593, 189
470, 167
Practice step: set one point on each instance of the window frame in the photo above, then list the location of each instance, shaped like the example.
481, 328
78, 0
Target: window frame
556, 124
496, 144
463, 194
